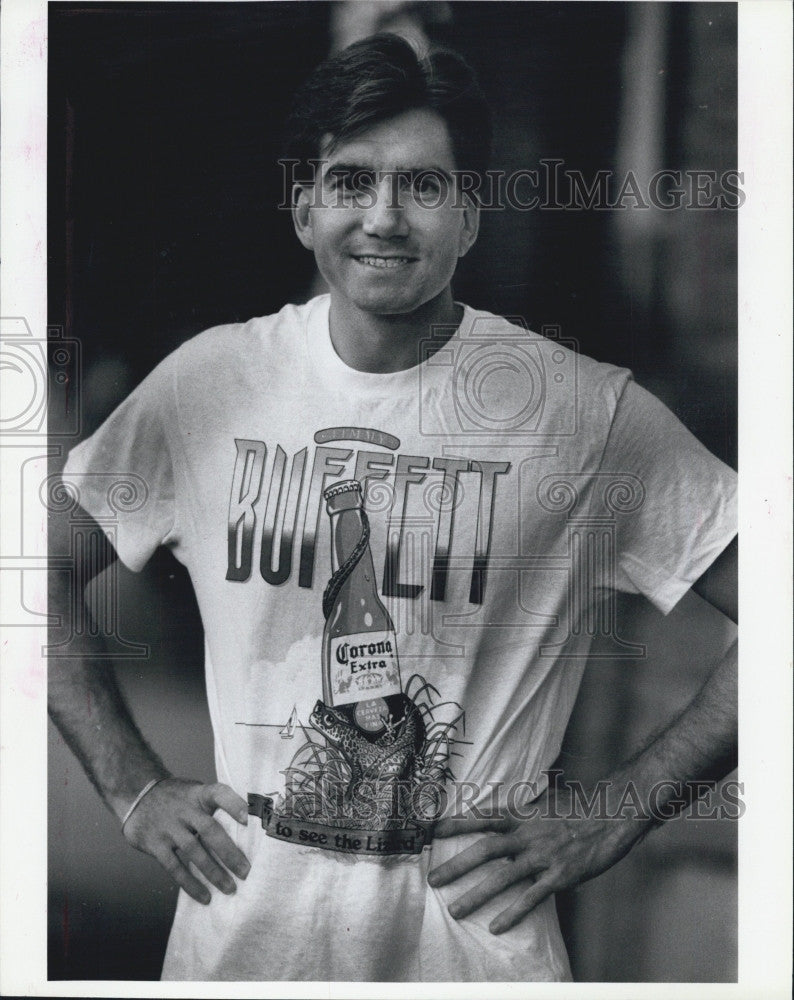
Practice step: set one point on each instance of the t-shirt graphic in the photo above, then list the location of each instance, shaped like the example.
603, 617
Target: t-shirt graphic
368, 775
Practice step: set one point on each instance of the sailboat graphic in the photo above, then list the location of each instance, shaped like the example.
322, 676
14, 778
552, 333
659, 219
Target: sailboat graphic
287, 732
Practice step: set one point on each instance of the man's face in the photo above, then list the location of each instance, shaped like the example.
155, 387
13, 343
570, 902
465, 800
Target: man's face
383, 218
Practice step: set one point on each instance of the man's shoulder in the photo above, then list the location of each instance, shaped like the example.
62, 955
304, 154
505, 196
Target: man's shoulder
562, 376
479, 325
233, 343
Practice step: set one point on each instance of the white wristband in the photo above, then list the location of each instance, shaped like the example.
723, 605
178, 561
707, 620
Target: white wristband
144, 791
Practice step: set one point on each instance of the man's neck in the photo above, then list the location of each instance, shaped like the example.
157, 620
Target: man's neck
391, 343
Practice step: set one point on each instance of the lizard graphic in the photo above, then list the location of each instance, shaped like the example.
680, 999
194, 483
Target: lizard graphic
391, 755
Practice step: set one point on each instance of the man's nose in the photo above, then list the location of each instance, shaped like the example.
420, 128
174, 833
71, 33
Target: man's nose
385, 218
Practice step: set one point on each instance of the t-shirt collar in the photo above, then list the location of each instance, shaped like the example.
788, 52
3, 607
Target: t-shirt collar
333, 371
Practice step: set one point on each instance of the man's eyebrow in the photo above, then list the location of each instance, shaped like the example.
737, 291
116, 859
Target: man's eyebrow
348, 168
432, 169
360, 168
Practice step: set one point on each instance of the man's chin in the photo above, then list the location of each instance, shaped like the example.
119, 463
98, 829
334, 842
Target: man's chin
388, 305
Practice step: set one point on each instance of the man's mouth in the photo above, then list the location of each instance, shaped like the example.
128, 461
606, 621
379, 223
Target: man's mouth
382, 262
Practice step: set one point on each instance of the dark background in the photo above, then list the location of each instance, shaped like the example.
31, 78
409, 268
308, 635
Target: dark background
165, 123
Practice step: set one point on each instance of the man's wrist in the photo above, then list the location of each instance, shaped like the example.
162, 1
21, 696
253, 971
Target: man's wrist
139, 798
121, 800
615, 802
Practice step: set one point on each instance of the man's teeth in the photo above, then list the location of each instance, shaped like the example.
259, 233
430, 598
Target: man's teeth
383, 261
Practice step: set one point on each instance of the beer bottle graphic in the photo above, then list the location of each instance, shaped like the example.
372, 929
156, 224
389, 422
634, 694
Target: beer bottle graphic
361, 671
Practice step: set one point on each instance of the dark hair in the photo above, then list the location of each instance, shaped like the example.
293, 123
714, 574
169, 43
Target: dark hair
382, 76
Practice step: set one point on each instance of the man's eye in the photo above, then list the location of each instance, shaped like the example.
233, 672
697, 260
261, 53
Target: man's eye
427, 185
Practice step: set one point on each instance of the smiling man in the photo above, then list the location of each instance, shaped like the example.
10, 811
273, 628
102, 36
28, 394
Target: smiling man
404, 520
387, 237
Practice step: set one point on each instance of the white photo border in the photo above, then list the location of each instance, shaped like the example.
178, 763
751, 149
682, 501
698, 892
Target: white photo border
765, 354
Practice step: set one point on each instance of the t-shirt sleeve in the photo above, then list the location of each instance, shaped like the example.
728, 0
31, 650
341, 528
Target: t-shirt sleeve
124, 475
684, 510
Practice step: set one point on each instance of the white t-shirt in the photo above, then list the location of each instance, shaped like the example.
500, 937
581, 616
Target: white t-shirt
516, 484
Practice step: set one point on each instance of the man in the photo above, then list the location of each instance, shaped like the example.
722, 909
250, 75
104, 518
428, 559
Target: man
484, 483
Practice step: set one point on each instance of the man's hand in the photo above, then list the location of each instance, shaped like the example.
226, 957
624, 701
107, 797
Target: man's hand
548, 850
557, 852
553, 852
174, 824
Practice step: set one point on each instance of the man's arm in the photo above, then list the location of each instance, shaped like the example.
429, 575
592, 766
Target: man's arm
557, 853
174, 821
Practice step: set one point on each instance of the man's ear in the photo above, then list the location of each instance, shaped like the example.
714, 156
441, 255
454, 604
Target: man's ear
301, 215
471, 224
